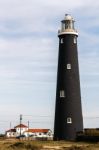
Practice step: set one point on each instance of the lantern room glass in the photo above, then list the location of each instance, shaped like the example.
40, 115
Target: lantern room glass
67, 24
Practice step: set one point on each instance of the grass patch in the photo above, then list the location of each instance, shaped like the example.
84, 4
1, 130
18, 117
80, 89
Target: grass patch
47, 145
24, 146
77, 148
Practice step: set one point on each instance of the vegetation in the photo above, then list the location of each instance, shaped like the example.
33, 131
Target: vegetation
46, 145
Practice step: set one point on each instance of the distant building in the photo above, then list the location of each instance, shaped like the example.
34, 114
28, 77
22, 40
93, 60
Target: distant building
23, 129
38, 133
19, 129
11, 133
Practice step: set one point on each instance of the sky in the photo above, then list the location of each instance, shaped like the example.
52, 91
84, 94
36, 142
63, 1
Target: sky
29, 58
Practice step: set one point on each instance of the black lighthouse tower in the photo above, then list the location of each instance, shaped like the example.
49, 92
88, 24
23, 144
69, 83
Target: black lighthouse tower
68, 111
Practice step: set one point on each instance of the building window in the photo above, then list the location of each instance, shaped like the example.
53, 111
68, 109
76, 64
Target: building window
68, 66
61, 41
62, 93
69, 120
75, 40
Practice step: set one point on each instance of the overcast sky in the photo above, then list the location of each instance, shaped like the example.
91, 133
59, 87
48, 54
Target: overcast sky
29, 57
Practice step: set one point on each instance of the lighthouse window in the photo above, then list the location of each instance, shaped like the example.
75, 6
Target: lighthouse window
75, 40
62, 40
68, 66
69, 120
62, 93
67, 24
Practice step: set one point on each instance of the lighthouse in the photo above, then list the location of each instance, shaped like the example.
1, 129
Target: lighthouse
68, 109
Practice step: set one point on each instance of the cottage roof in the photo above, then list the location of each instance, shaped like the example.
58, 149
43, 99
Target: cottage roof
11, 130
38, 130
21, 126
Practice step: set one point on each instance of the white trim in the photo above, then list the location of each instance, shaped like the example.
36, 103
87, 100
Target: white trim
62, 33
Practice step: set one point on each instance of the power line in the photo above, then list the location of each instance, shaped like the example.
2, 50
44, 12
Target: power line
91, 117
36, 116
41, 121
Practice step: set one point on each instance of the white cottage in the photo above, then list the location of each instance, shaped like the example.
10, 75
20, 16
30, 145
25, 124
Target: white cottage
11, 133
21, 128
38, 133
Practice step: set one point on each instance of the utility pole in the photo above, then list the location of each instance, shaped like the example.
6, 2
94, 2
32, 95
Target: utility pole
10, 129
20, 123
28, 130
